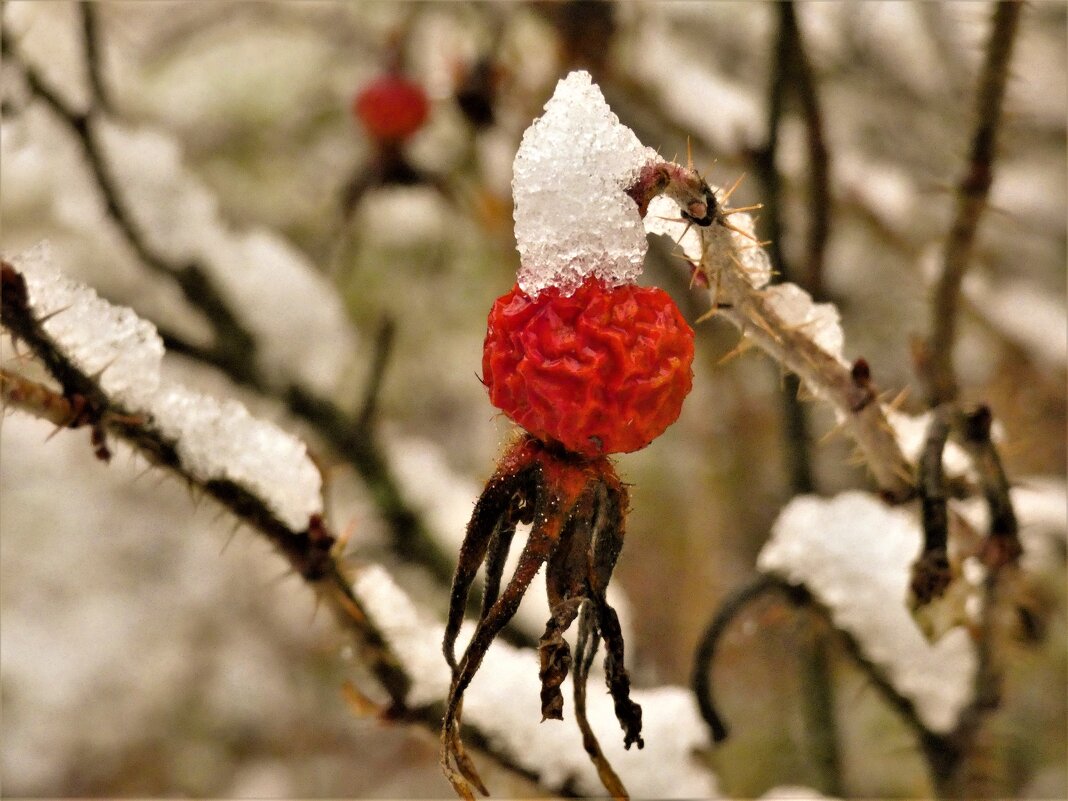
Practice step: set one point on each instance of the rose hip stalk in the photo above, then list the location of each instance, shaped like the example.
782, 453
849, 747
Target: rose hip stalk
589, 364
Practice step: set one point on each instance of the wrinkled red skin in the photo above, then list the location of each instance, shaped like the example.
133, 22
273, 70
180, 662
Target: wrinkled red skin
391, 108
602, 371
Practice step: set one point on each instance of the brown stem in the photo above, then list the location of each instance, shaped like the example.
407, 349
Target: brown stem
930, 572
972, 191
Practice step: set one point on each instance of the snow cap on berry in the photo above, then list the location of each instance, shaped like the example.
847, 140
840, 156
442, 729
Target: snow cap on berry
573, 218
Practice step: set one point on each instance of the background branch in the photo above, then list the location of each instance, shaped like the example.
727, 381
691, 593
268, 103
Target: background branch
971, 199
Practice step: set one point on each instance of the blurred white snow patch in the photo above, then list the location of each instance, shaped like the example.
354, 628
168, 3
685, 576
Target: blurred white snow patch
1035, 320
220, 440
854, 553
573, 218
100, 339
664, 218
297, 318
689, 91
820, 322
402, 216
886, 191
911, 434
445, 498
504, 702
786, 792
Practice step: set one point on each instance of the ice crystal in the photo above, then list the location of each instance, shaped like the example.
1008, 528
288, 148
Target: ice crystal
854, 553
573, 218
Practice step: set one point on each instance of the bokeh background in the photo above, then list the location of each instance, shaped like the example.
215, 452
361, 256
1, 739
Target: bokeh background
144, 652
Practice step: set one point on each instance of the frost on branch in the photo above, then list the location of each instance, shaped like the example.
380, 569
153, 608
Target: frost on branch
214, 441
854, 553
572, 216
503, 703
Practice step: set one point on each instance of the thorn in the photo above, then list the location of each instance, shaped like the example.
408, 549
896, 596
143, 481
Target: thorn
344, 536
230, 538
729, 192
899, 399
834, 431
739, 231
765, 326
741, 209
743, 345
689, 154
42, 320
361, 705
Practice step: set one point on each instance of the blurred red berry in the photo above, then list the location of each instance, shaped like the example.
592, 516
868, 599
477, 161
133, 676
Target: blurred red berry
391, 108
601, 371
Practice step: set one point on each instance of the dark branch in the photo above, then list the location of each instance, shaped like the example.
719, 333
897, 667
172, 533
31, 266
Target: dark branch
972, 192
101, 96
930, 573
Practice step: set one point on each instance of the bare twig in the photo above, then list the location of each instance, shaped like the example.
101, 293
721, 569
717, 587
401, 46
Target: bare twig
729, 610
92, 41
795, 431
373, 385
930, 573
1003, 543
819, 162
972, 191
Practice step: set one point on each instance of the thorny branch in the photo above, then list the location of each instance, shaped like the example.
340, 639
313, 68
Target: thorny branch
233, 349
848, 388
311, 553
972, 192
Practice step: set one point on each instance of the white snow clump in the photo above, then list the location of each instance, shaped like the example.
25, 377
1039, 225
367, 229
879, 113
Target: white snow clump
854, 553
504, 702
819, 321
573, 218
214, 440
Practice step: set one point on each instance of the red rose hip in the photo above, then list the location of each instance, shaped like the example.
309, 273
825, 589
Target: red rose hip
391, 108
604, 370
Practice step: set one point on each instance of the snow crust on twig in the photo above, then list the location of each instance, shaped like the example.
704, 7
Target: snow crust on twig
504, 703
215, 440
803, 336
854, 553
